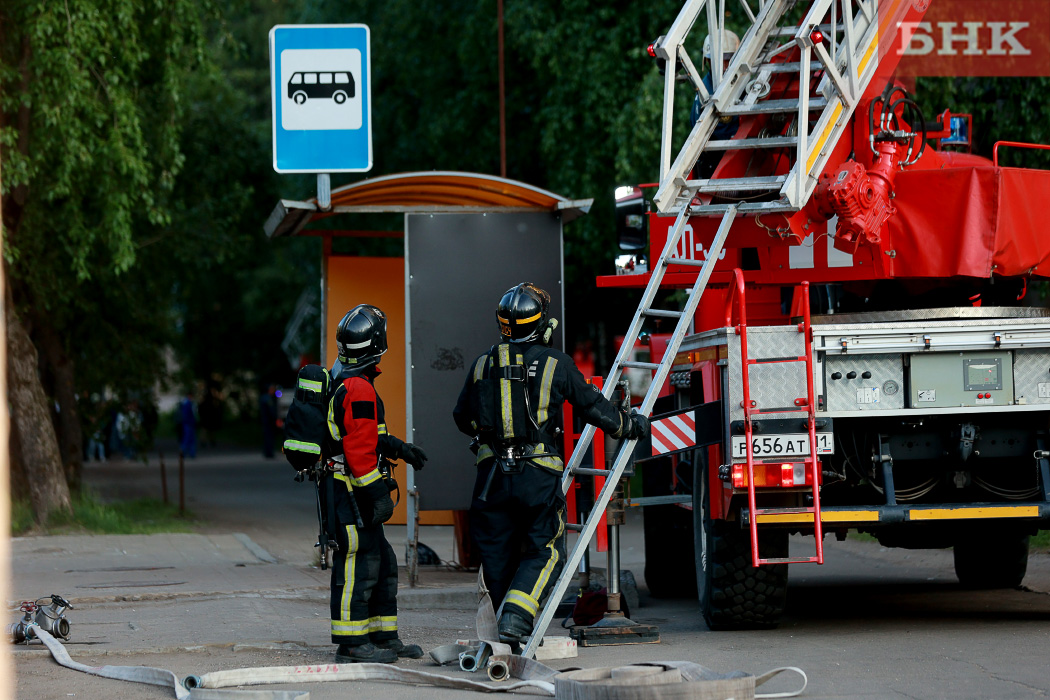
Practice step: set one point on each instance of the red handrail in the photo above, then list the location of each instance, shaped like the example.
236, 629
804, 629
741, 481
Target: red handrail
1018, 144
736, 294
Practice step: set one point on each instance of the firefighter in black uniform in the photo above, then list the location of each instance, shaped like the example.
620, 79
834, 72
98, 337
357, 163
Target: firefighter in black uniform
364, 571
511, 404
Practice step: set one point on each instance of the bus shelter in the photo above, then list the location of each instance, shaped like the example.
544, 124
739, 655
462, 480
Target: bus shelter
464, 239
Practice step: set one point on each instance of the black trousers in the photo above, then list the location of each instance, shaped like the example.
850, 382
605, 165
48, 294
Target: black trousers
364, 587
519, 530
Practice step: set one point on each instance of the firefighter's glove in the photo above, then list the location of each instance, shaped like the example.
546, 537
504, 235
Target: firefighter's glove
382, 505
639, 427
414, 455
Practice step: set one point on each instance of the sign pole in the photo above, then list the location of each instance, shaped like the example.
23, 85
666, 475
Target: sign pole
324, 191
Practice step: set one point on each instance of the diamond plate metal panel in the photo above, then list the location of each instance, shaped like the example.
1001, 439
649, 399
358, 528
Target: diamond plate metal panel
1032, 371
884, 390
772, 385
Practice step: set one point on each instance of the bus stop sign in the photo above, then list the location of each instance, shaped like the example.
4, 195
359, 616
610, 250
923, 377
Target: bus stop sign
320, 87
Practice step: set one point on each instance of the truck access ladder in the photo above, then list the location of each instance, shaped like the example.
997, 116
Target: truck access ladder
662, 369
774, 61
806, 404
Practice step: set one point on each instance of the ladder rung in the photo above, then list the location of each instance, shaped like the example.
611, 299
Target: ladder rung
793, 30
745, 208
576, 527
736, 184
785, 67
684, 261
741, 144
789, 560
641, 365
772, 360
782, 511
587, 471
662, 313
773, 107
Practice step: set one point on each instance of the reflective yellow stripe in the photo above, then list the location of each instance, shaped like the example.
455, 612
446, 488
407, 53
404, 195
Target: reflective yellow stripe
545, 390
523, 600
310, 385
815, 152
344, 625
530, 319
351, 626
506, 411
382, 623
369, 478
552, 462
867, 55
382, 428
479, 368
484, 452
545, 573
302, 446
971, 513
333, 429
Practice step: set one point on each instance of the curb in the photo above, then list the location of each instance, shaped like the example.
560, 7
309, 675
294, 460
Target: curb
450, 598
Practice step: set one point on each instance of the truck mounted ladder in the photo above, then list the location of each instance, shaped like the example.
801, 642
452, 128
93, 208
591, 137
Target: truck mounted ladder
842, 36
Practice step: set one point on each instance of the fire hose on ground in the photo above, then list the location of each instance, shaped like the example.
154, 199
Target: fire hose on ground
663, 680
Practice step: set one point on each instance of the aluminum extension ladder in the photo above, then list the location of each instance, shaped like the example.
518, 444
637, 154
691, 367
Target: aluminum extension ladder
838, 45
806, 404
662, 370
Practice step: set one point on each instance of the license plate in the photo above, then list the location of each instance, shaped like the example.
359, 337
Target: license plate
782, 445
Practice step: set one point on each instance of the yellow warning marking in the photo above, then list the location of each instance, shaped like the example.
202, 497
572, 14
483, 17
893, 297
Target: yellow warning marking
867, 55
815, 153
838, 516
973, 513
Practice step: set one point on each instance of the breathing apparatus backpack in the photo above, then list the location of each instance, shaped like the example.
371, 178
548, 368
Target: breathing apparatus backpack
500, 399
306, 425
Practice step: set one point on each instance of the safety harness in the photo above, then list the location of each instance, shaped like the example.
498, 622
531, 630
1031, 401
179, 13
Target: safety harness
509, 428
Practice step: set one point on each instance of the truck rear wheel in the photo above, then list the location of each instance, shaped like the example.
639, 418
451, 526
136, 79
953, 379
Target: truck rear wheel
734, 595
992, 561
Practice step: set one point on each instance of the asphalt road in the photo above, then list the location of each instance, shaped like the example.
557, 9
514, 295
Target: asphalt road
870, 623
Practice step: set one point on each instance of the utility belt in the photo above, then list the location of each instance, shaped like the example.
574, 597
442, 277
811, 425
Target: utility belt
337, 465
513, 458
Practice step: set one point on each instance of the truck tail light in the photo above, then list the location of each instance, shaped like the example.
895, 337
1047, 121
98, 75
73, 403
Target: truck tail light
785, 475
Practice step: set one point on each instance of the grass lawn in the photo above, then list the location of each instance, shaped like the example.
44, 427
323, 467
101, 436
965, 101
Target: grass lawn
141, 516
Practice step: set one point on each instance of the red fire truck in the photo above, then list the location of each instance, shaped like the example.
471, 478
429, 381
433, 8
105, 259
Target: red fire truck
862, 355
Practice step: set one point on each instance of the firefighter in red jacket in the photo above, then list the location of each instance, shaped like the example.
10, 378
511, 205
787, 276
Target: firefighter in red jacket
364, 572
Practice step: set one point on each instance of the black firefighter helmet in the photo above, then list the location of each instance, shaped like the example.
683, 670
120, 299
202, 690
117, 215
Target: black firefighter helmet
522, 313
361, 337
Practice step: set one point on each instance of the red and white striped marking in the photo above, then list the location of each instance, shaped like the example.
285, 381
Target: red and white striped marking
674, 433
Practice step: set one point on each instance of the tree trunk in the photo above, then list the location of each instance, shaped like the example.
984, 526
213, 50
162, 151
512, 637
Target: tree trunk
31, 421
60, 368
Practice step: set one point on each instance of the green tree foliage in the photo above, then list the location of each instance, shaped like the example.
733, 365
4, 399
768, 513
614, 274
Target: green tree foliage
1003, 109
91, 116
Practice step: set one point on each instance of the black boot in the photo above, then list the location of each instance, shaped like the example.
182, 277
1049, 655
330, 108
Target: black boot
364, 653
513, 628
403, 651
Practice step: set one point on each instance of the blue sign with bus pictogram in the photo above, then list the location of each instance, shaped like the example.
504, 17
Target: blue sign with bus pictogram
321, 98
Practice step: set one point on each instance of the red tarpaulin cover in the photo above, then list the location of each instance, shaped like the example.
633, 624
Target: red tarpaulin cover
972, 221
